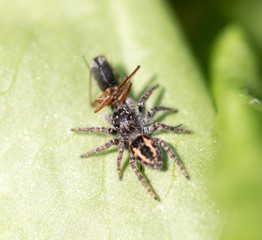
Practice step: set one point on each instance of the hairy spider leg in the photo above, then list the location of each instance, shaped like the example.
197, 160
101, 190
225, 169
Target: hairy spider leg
143, 99
119, 158
132, 105
151, 112
111, 131
101, 148
152, 128
140, 176
172, 156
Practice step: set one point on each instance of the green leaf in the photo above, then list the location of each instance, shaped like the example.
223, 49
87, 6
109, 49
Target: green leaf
46, 190
235, 77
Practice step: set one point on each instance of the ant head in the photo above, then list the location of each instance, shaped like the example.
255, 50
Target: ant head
115, 95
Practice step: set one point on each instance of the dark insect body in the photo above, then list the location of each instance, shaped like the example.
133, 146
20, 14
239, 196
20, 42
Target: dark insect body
103, 73
132, 126
107, 81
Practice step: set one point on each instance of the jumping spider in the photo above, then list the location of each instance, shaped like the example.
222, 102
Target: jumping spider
132, 125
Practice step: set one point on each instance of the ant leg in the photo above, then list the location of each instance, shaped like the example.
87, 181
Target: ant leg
111, 131
91, 101
153, 110
101, 148
162, 126
172, 156
140, 177
119, 158
143, 99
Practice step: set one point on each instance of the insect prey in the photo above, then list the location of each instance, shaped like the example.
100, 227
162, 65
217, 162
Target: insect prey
107, 81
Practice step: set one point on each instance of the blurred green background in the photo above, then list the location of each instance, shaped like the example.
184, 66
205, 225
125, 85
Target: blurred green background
202, 21
207, 55
226, 38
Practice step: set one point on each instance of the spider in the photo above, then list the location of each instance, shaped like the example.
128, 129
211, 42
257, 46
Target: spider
132, 126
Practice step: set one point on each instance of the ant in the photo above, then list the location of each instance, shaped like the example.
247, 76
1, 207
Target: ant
133, 125
107, 81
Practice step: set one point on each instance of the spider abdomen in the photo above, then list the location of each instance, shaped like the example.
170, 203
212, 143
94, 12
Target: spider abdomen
146, 151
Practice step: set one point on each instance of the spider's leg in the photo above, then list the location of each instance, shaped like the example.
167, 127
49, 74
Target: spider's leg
173, 156
101, 148
140, 177
119, 157
152, 128
111, 131
130, 102
108, 119
143, 99
153, 110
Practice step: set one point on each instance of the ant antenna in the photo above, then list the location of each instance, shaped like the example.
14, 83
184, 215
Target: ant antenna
90, 81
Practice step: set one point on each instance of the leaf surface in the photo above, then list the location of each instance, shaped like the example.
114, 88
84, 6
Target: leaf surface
46, 190
235, 78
